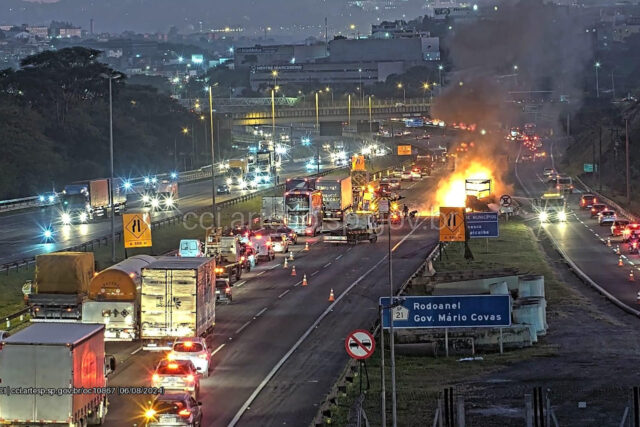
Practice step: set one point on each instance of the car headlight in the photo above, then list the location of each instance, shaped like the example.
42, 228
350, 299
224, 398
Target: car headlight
243, 184
65, 218
145, 199
229, 181
41, 198
83, 217
168, 201
155, 203
544, 216
562, 216
51, 199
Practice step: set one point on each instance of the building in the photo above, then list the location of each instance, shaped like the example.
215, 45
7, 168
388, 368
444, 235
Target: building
342, 61
39, 31
257, 56
325, 73
69, 32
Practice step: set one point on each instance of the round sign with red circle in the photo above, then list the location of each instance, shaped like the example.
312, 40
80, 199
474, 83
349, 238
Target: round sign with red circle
360, 344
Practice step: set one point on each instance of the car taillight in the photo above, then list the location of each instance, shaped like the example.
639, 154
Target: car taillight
155, 378
227, 290
185, 413
242, 259
268, 244
202, 356
189, 378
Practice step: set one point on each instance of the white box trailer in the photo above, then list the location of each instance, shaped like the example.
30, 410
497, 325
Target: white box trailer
178, 300
50, 374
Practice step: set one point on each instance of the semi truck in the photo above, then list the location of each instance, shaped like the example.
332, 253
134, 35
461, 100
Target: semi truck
272, 212
162, 196
89, 200
265, 161
43, 364
226, 252
177, 300
239, 167
113, 299
337, 197
61, 285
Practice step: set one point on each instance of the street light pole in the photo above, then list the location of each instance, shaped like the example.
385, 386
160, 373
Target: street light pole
213, 162
597, 65
273, 114
370, 122
626, 127
349, 110
317, 113
113, 213
440, 68
394, 419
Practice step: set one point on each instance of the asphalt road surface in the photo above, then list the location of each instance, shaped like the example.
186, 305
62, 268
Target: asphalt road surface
21, 231
584, 240
279, 346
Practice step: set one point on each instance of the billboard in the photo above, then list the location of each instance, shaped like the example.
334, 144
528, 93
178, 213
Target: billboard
404, 150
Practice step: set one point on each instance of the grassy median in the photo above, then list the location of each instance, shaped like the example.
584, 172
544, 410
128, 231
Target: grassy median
421, 379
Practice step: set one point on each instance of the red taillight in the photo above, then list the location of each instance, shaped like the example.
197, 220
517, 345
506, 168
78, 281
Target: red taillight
172, 366
227, 290
185, 413
189, 378
242, 259
258, 236
188, 344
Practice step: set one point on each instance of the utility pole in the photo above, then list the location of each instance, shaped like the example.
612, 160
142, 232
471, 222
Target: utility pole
613, 86
113, 213
600, 160
214, 209
626, 127
394, 419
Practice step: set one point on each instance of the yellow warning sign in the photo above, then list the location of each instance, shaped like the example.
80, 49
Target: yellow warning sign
136, 230
357, 163
404, 150
452, 225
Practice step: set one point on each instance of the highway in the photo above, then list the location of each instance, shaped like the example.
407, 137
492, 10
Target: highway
280, 346
583, 240
21, 231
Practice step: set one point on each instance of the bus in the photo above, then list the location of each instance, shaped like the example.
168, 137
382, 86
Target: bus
303, 211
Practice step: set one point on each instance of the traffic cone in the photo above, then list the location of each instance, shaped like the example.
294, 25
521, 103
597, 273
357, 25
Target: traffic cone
304, 280
618, 249
306, 246
331, 296
608, 242
286, 263
620, 261
638, 297
631, 278
293, 270
290, 256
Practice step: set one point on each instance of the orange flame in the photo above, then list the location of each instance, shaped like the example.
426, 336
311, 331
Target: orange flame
451, 190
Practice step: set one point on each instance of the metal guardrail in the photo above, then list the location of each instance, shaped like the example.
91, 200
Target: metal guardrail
34, 201
21, 315
104, 241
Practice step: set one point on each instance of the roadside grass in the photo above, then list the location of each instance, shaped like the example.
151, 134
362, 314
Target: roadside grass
421, 379
164, 239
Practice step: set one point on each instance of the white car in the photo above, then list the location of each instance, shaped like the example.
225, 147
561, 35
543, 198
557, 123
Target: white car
192, 349
406, 176
397, 173
280, 243
607, 217
415, 174
548, 172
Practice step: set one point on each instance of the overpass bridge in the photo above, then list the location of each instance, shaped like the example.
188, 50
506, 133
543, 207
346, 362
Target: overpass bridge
258, 111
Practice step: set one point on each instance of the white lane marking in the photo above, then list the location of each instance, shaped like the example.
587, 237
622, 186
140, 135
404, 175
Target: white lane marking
242, 327
304, 336
407, 236
326, 265
261, 273
136, 350
260, 312
338, 257
237, 285
217, 349
314, 273
284, 293
348, 249
272, 267
297, 284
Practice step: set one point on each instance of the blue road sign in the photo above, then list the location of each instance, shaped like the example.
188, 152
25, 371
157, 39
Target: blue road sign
452, 311
482, 224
